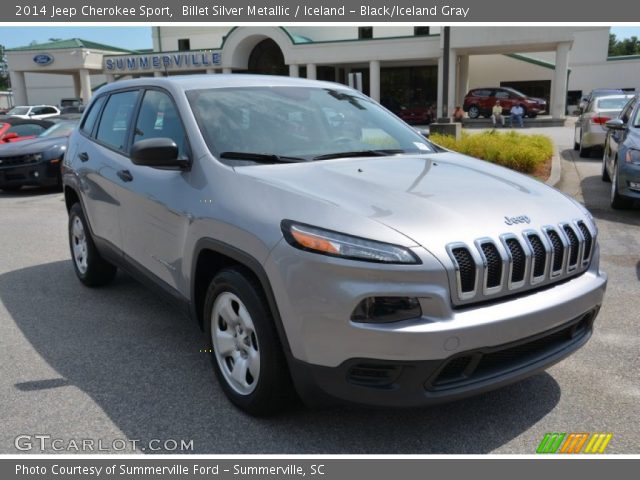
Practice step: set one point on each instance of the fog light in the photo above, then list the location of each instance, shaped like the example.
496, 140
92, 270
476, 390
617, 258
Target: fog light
634, 185
35, 174
386, 309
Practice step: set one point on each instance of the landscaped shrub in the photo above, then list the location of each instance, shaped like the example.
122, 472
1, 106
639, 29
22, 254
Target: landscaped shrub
510, 149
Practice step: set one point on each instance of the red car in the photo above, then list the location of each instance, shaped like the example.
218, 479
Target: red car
17, 129
480, 101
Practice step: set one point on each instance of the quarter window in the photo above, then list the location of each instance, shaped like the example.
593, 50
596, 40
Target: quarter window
158, 118
115, 119
92, 116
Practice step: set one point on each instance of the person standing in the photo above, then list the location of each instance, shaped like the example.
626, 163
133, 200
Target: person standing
496, 114
517, 114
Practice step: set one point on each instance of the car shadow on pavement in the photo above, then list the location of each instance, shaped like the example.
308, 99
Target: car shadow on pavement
596, 194
29, 192
140, 361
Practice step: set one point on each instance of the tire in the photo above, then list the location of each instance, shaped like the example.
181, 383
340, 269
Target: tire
91, 269
618, 202
576, 144
583, 152
533, 115
246, 353
474, 111
605, 174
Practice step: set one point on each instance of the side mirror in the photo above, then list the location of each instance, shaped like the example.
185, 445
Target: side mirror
157, 152
616, 124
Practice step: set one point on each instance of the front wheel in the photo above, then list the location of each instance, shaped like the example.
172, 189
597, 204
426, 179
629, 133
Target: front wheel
91, 269
474, 111
618, 201
246, 352
605, 173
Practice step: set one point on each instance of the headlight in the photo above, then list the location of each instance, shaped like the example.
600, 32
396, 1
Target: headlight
33, 157
632, 156
327, 242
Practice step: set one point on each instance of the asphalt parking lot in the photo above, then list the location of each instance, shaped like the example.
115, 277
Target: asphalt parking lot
119, 363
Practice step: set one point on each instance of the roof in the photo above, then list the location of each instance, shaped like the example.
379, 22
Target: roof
70, 43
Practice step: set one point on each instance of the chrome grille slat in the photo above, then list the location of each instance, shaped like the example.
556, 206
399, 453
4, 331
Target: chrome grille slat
487, 268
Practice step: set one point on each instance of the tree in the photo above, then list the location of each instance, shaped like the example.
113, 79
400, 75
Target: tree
626, 46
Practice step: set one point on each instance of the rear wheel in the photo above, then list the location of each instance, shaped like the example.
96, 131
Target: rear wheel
90, 267
474, 111
618, 201
576, 143
605, 173
583, 152
246, 352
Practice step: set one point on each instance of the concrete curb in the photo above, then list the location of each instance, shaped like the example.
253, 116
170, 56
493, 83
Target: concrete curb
556, 169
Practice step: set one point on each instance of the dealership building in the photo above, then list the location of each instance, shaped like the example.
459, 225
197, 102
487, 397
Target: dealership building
398, 66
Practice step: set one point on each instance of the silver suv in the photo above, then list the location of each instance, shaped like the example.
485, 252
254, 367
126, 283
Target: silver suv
324, 247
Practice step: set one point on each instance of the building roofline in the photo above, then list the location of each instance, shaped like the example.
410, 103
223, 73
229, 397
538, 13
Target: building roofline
69, 44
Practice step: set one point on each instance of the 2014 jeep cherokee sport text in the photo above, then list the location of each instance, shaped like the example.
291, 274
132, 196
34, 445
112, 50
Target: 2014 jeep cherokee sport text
324, 246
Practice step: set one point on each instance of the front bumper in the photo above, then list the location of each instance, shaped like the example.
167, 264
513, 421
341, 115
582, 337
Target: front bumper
316, 296
43, 173
629, 180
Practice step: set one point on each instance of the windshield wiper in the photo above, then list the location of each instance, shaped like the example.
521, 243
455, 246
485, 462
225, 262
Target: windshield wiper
360, 153
260, 157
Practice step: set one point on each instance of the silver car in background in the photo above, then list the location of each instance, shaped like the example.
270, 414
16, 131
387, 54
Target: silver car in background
325, 247
590, 129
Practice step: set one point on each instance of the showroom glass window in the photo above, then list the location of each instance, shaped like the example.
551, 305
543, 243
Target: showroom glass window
115, 119
158, 118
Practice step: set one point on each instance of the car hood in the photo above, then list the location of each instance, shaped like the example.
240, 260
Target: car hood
34, 145
433, 199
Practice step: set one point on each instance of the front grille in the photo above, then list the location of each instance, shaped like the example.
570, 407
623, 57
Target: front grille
539, 254
466, 268
558, 250
494, 264
522, 262
16, 161
476, 366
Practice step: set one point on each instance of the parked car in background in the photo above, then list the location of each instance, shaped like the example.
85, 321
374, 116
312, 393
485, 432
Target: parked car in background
16, 129
621, 159
320, 241
590, 130
599, 92
37, 161
37, 112
479, 102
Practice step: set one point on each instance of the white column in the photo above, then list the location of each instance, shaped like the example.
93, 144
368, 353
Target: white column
19, 87
75, 77
110, 77
463, 78
294, 70
374, 80
158, 73
439, 102
85, 86
559, 87
211, 71
453, 84
311, 71
226, 70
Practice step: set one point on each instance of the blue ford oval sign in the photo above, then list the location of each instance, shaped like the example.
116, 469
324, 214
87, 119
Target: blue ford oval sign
43, 59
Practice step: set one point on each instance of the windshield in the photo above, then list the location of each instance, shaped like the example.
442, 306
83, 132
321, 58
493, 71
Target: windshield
613, 103
18, 111
298, 122
59, 130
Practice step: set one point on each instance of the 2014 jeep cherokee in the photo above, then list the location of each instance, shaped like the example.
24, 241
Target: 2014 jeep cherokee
324, 245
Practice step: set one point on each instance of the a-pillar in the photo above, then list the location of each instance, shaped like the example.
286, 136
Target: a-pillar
374, 80
85, 85
19, 88
560, 78
311, 71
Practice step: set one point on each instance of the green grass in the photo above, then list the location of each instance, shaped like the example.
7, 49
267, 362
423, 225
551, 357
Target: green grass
523, 153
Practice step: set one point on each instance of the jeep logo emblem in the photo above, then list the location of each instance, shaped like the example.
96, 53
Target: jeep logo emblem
516, 220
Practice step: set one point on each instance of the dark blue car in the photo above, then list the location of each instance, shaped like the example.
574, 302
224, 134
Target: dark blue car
621, 160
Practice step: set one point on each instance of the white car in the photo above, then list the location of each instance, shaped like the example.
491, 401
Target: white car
36, 112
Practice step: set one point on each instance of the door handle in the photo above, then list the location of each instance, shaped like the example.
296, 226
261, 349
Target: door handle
84, 156
125, 175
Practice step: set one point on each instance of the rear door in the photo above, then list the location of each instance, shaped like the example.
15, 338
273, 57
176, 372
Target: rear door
99, 158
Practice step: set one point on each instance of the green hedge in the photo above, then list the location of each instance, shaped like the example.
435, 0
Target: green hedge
510, 149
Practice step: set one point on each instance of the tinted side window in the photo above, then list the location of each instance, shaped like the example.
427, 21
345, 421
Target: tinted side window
481, 93
92, 116
47, 110
26, 129
626, 113
158, 118
502, 94
115, 119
